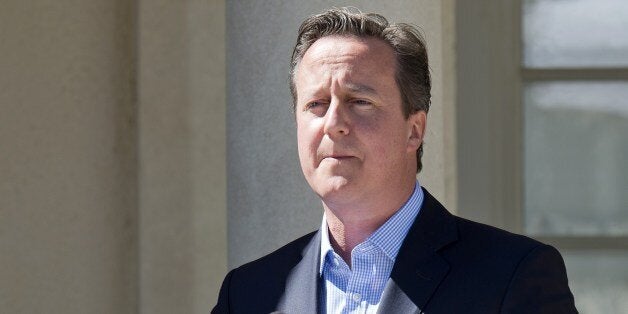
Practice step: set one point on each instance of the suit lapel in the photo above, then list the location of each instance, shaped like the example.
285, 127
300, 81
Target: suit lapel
394, 300
302, 285
419, 268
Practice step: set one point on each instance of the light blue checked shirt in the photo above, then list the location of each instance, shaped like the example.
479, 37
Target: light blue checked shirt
359, 290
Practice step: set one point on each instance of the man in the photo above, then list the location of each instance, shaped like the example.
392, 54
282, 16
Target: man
361, 92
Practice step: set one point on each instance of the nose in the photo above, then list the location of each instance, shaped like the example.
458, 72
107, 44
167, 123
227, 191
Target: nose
336, 120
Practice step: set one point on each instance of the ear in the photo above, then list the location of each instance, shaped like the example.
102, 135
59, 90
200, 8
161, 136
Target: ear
416, 130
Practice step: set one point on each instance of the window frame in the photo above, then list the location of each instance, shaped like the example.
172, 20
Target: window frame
491, 77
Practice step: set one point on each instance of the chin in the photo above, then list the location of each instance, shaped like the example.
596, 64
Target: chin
333, 188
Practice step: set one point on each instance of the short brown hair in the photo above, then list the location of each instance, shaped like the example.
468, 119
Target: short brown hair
412, 73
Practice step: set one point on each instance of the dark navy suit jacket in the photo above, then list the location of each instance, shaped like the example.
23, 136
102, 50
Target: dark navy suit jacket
446, 265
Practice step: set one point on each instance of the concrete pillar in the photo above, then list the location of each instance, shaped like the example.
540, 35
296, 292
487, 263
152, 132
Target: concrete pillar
182, 175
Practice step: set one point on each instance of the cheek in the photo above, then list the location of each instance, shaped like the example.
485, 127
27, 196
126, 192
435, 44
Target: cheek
386, 145
306, 143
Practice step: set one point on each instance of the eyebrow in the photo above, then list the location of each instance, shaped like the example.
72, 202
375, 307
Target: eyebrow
360, 88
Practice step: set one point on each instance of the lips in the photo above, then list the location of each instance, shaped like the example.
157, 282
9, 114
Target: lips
335, 154
337, 157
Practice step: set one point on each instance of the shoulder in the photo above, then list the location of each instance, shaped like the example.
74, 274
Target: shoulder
462, 235
492, 269
282, 258
522, 273
489, 237
257, 286
495, 250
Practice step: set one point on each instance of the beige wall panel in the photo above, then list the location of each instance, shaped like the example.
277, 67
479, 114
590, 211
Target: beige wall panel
182, 155
67, 157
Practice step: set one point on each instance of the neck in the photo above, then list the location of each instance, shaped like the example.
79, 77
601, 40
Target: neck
350, 226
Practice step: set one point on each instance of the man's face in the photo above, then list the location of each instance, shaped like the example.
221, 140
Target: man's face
353, 139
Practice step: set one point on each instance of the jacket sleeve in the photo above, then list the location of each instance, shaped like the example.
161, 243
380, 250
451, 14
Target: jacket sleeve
539, 284
223, 297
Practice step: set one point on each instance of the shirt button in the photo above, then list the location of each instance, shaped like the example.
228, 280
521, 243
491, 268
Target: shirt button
356, 297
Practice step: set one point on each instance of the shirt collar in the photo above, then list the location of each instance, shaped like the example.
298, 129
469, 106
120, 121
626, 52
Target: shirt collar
387, 237
325, 244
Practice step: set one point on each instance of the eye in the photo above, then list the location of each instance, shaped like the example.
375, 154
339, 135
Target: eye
316, 107
362, 103
311, 105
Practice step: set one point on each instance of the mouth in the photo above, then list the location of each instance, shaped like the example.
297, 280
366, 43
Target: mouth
338, 157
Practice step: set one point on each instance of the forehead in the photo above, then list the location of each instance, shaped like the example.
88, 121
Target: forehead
369, 52
364, 57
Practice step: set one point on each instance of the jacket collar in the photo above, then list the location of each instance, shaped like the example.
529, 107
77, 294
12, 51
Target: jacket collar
303, 282
419, 268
